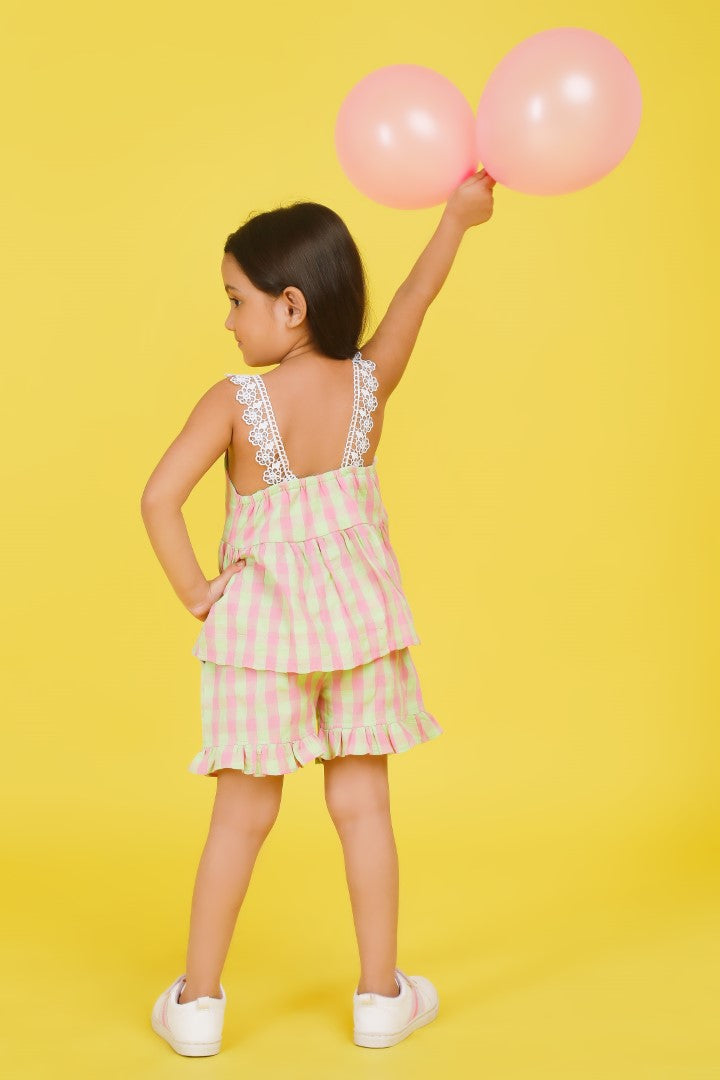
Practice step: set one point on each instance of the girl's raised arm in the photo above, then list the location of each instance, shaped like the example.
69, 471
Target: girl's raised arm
391, 346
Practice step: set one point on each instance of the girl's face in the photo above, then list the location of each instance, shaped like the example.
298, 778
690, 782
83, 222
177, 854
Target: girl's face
265, 328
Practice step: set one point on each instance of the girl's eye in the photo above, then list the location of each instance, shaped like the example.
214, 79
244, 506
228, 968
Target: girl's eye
233, 300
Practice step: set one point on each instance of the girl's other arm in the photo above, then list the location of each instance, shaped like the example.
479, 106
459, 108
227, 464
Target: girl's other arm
206, 435
392, 344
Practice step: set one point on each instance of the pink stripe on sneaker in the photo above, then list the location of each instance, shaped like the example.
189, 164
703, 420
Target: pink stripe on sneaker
416, 1002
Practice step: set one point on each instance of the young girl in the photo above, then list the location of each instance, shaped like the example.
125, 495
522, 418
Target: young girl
305, 635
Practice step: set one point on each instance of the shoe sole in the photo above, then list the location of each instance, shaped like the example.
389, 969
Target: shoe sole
184, 1048
361, 1038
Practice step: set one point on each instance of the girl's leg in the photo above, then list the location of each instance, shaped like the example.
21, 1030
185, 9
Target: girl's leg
244, 812
358, 799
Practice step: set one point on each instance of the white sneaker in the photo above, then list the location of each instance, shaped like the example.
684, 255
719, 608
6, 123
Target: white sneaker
194, 1028
384, 1021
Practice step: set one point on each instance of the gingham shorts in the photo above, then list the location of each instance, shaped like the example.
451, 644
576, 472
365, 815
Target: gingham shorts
265, 723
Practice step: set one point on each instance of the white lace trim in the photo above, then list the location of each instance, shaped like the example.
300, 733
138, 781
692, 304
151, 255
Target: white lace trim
364, 403
264, 431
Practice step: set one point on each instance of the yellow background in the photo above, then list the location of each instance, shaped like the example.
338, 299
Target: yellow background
549, 465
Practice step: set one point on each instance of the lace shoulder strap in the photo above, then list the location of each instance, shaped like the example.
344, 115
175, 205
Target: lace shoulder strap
264, 432
364, 403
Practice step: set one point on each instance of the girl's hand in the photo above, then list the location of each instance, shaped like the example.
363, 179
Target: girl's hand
471, 203
216, 588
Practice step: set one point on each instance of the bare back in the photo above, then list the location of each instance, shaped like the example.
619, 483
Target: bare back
313, 409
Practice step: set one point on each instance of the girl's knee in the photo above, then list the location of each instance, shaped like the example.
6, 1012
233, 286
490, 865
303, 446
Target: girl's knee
247, 803
356, 786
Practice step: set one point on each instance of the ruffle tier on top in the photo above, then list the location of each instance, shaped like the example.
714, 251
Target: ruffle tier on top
320, 588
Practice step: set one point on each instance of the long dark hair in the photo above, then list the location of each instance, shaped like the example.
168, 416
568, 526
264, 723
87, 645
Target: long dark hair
309, 246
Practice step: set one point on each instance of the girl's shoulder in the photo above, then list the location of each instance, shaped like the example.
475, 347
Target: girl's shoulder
319, 380
216, 408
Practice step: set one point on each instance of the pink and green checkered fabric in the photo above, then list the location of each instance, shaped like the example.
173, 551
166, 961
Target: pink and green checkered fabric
268, 722
320, 589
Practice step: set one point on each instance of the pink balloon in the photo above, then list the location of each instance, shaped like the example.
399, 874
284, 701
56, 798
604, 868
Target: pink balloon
405, 136
558, 113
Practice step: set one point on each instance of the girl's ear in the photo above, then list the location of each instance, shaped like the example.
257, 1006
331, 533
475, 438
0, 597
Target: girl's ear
295, 304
